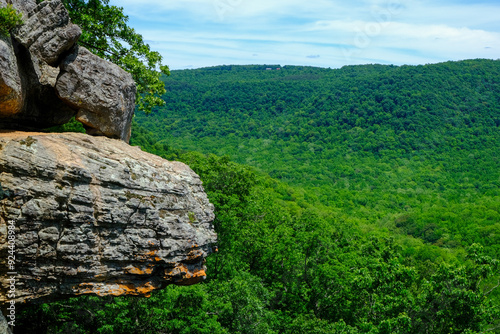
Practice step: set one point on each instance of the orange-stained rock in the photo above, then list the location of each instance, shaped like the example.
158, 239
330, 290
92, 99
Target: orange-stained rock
115, 289
185, 274
11, 91
46, 78
139, 271
93, 215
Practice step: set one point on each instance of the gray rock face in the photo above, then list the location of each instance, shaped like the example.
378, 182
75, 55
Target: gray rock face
11, 91
48, 32
4, 329
38, 45
94, 215
106, 101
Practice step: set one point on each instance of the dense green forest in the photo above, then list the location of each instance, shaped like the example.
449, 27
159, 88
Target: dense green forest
410, 148
358, 200
287, 266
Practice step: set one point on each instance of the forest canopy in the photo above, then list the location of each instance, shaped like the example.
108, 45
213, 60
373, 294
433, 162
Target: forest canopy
413, 149
386, 225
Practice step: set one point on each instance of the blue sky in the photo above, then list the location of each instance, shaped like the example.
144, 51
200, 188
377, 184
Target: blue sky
325, 33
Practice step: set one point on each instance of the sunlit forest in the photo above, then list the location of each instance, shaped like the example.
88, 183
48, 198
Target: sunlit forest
364, 199
411, 149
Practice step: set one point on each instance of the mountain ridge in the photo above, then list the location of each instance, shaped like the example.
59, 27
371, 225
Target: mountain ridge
377, 141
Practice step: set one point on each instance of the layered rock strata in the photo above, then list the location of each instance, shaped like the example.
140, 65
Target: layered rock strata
96, 216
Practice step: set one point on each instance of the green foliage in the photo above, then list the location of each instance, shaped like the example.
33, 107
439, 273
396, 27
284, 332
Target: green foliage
72, 126
381, 239
411, 149
173, 310
285, 267
9, 18
106, 33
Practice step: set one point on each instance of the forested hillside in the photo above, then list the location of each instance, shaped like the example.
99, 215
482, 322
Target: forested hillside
372, 206
289, 265
412, 149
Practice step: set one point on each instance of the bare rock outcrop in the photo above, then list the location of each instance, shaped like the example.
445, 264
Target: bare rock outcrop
48, 32
43, 56
11, 91
105, 102
94, 215
82, 214
38, 45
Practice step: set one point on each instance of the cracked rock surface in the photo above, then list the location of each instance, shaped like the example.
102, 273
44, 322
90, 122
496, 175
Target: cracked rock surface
94, 215
105, 102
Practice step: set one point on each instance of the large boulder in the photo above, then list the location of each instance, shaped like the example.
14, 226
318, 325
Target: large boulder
45, 36
11, 91
48, 33
23, 6
94, 215
4, 327
41, 107
103, 93
46, 79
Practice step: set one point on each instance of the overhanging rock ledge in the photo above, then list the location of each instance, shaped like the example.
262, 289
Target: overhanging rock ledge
94, 215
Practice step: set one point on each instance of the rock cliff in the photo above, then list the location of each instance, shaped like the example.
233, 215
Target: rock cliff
82, 214
94, 215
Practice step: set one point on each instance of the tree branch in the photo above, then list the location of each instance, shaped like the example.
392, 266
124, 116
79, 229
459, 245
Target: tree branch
493, 288
100, 49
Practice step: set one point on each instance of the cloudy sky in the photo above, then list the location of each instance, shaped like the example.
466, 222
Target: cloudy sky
325, 33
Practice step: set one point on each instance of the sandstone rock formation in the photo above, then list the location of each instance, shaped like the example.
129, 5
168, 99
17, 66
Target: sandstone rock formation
43, 23
87, 215
47, 32
105, 102
11, 91
43, 55
94, 215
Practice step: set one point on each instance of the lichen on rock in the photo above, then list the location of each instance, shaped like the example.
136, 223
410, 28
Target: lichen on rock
96, 216
105, 102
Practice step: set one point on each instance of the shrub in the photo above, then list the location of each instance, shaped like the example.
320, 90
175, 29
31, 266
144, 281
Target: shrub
9, 18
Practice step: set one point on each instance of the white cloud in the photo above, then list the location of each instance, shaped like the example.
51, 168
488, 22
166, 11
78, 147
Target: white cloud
212, 32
